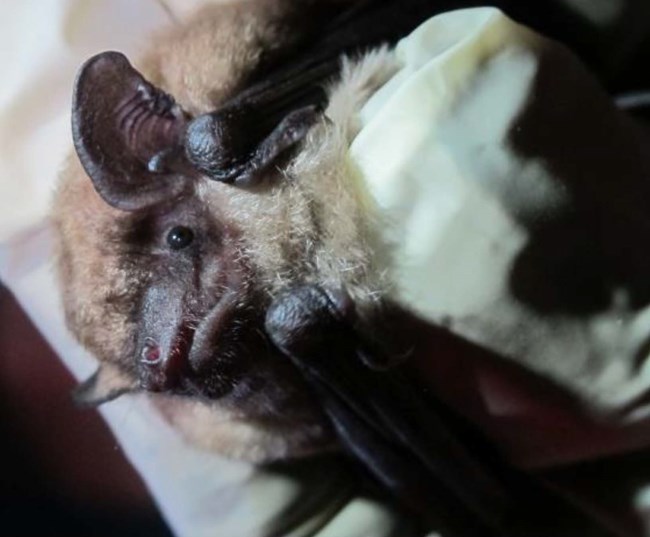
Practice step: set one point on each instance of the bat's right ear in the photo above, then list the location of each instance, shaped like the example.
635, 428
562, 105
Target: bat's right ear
106, 384
128, 134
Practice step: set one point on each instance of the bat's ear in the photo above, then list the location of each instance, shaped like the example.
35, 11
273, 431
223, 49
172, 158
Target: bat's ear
128, 134
106, 384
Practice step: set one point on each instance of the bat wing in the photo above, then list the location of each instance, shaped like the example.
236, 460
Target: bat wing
413, 446
382, 421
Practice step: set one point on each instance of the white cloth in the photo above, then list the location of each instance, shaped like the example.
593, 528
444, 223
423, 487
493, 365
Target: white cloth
439, 156
487, 137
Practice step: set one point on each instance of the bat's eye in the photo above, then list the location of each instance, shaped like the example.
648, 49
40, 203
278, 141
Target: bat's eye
179, 237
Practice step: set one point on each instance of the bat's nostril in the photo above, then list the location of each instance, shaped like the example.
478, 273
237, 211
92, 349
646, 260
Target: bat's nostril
162, 365
157, 373
151, 353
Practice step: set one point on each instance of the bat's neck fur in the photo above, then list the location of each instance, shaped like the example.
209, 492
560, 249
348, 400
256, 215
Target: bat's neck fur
317, 224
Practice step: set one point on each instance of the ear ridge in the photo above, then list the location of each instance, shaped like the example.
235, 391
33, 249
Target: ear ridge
128, 134
106, 384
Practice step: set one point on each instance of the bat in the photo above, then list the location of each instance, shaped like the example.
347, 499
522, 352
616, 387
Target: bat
210, 248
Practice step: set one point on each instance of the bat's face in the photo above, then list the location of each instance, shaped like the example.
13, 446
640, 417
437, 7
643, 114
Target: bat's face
167, 274
169, 300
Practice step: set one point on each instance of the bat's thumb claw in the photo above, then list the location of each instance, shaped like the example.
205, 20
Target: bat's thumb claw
307, 321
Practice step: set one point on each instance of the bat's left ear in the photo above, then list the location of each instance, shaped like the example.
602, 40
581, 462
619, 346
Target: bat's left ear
128, 134
106, 384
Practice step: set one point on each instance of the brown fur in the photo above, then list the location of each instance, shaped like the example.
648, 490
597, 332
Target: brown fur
308, 224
